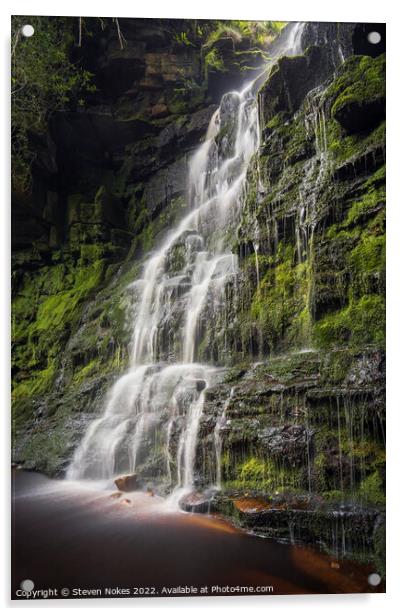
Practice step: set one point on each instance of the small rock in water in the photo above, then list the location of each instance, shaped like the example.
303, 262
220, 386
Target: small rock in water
125, 501
195, 502
127, 483
200, 384
116, 495
150, 492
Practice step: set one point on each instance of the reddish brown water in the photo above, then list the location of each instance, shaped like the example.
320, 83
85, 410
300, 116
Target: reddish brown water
76, 537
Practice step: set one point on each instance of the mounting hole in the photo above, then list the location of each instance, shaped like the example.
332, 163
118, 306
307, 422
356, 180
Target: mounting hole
27, 30
374, 37
27, 585
374, 579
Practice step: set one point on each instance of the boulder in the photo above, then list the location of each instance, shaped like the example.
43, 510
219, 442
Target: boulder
196, 502
127, 483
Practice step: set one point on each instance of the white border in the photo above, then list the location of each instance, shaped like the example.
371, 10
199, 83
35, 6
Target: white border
291, 10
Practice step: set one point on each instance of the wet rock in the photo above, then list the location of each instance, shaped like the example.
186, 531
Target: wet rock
290, 444
359, 94
184, 132
200, 385
165, 185
379, 540
302, 518
196, 502
127, 483
360, 115
336, 37
292, 79
249, 504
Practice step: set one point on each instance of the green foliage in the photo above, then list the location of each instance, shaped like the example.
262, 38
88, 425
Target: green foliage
213, 61
249, 38
258, 32
182, 38
43, 80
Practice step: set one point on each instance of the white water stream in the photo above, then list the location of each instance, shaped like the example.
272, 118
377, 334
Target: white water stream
152, 413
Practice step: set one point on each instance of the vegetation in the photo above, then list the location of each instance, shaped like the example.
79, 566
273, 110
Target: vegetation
362, 78
43, 80
257, 32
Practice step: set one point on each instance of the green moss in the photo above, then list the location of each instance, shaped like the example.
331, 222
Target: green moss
279, 306
371, 490
235, 373
335, 366
148, 236
371, 200
58, 309
86, 371
361, 322
39, 384
42, 314
253, 470
264, 475
361, 78
277, 122
334, 232
344, 147
89, 253
369, 255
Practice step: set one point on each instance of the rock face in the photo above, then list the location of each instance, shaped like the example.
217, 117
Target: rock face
315, 210
346, 530
301, 401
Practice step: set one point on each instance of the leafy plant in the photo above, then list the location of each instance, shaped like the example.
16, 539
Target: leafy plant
213, 61
43, 80
183, 39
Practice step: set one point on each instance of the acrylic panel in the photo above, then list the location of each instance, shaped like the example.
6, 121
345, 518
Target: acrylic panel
198, 310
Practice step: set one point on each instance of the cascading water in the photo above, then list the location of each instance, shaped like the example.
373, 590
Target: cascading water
152, 413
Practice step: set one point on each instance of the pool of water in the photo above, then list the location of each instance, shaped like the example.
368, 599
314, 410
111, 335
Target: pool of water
84, 538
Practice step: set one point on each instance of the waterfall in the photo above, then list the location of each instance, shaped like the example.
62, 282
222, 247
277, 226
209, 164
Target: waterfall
151, 416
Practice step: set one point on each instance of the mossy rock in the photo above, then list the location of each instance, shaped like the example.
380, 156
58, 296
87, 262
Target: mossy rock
360, 93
